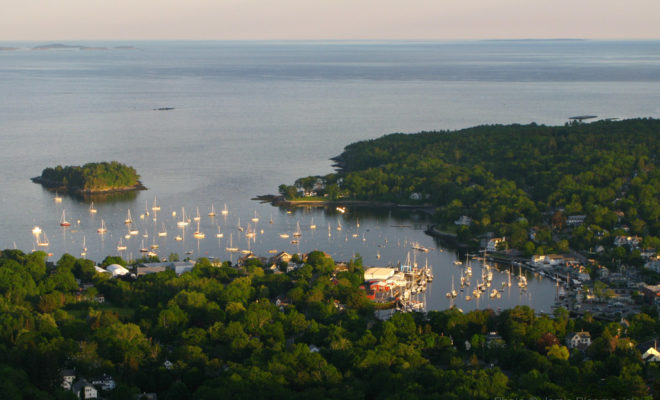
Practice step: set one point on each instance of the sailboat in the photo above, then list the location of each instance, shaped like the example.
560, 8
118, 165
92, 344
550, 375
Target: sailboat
338, 224
142, 248
44, 242
92, 209
197, 217
63, 221
57, 198
271, 219
329, 233
255, 218
238, 225
312, 225
83, 253
224, 210
121, 246
129, 219
198, 234
183, 221
102, 229
155, 207
162, 232
231, 249
154, 245
219, 234
297, 233
212, 212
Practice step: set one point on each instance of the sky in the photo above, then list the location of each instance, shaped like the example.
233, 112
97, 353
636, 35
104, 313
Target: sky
48, 20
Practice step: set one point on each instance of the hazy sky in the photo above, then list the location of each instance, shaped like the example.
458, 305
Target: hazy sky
327, 19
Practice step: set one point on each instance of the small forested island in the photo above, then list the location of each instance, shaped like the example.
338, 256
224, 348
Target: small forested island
297, 329
545, 189
91, 178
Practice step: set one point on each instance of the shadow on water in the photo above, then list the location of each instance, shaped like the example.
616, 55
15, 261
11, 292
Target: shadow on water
117, 197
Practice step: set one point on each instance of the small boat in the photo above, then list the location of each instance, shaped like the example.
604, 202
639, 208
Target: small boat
255, 218
189, 252
129, 219
341, 209
231, 249
91, 208
155, 207
272, 251
178, 238
212, 212
102, 229
295, 241
133, 232
219, 234
44, 242
197, 217
143, 249
312, 225
338, 225
419, 247
154, 245
83, 253
121, 246
457, 262
63, 221
284, 235
183, 221
271, 219
198, 234
224, 210
57, 198
297, 233
163, 232
238, 225
36, 230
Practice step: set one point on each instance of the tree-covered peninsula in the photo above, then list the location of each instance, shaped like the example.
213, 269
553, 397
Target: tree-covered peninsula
99, 177
545, 188
253, 331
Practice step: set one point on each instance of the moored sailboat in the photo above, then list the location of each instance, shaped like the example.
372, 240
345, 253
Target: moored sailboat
63, 221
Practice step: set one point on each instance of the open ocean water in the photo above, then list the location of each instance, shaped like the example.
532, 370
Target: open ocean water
251, 115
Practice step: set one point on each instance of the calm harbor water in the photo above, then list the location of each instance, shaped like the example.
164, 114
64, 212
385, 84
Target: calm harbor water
251, 115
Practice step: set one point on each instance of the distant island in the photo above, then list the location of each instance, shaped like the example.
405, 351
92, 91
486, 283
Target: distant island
91, 178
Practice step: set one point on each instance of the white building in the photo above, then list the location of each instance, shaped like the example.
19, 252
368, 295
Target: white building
575, 220
68, 376
463, 220
378, 274
578, 340
116, 270
494, 243
84, 390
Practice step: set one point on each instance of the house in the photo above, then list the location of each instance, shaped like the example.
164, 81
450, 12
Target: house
105, 382
68, 376
84, 390
631, 241
168, 364
575, 220
494, 244
280, 257
651, 292
578, 340
416, 196
653, 265
649, 351
463, 220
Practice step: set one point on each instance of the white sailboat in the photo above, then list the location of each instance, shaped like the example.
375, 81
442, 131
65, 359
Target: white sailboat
224, 210
57, 198
255, 218
197, 217
83, 253
238, 225
92, 210
102, 229
231, 249
163, 232
212, 212
198, 234
219, 234
155, 207
338, 224
142, 248
44, 242
183, 221
121, 246
297, 233
63, 221
312, 225
129, 219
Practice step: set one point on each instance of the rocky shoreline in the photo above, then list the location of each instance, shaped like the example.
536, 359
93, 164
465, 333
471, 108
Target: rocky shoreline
65, 189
